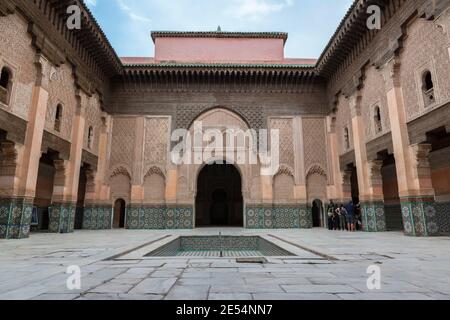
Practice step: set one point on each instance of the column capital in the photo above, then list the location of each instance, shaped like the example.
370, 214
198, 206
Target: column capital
82, 102
44, 69
354, 102
331, 123
391, 73
420, 154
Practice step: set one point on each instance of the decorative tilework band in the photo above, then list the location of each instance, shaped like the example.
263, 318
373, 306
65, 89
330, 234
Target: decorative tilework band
419, 216
97, 217
278, 217
373, 216
62, 217
15, 217
159, 217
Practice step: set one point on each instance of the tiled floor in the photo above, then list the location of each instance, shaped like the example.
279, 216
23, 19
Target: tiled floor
329, 265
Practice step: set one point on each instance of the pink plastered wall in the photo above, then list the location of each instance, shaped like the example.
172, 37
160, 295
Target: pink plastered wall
218, 49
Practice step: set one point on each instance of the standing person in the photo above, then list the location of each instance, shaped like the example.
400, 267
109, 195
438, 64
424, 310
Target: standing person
350, 216
358, 217
342, 218
330, 212
336, 218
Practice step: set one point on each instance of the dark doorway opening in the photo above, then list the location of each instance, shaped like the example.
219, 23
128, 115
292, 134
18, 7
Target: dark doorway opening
119, 214
392, 206
317, 213
79, 212
44, 191
219, 199
354, 184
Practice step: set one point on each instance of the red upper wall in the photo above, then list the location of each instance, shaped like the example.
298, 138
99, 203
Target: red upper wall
219, 49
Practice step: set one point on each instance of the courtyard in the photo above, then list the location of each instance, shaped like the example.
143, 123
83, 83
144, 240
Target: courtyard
325, 265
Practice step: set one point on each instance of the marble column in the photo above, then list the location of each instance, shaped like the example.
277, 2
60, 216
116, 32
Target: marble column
65, 191
369, 174
411, 161
16, 201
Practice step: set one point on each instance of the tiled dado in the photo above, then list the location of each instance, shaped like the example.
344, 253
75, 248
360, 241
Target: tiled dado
97, 217
159, 217
62, 217
15, 217
277, 217
419, 216
443, 216
373, 216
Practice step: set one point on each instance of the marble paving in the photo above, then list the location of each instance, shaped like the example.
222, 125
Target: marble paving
329, 266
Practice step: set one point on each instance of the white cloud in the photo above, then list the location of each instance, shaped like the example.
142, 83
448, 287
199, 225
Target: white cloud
133, 15
91, 3
257, 9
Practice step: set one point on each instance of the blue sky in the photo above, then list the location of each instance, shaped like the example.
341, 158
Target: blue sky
310, 23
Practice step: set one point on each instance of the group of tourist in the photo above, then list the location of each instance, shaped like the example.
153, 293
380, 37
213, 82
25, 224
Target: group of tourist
344, 217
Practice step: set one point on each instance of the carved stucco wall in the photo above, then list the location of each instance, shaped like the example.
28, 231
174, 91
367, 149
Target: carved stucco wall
373, 94
316, 187
283, 186
120, 184
154, 186
286, 144
314, 141
218, 118
122, 143
156, 142
61, 91
425, 48
343, 120
17, 53
94, 120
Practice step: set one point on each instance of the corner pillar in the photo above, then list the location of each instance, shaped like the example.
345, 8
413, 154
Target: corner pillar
411, 161
62, 210
369, 175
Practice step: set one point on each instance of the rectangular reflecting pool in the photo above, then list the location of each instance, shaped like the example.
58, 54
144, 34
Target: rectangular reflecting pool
219, 246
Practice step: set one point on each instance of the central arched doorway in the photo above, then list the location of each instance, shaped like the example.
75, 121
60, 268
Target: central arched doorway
219, 199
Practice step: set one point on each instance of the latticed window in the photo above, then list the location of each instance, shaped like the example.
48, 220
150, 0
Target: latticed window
346, 139
377, 120
428, 88
58, 118
5, 85
90, 137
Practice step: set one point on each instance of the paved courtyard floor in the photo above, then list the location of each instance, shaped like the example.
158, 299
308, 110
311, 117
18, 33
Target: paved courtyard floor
328, 265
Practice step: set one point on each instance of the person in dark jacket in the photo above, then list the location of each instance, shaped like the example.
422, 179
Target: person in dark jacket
350, 216
330, 212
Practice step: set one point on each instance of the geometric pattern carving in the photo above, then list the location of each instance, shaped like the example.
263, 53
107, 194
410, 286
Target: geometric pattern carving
373, 216
316, 169
62, 217
419, 217
15, 218
286, 143
156, 140
277, 217
187, 114
122, 144
314, 141
154, 170
122, 171
97, 217
159, 217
